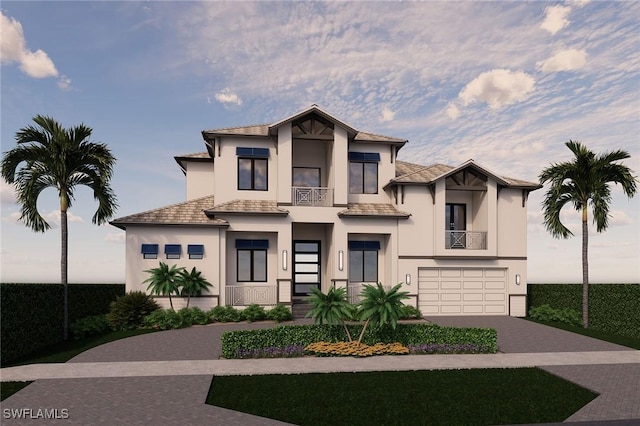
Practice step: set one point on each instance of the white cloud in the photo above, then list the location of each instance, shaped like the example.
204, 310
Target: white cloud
452, 111
118, 238
498, 88
387, 114
226, 97
565, 60
53, 218
13, 49
556, 18
64, 82
7, 193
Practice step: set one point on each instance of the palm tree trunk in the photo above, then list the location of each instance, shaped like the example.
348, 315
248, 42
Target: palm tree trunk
63, 266
346, 329
585, 268
364, 327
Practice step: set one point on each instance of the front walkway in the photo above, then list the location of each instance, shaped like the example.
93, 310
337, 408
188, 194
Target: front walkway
163, 378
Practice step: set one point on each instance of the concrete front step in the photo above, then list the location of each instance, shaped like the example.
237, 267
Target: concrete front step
300, 310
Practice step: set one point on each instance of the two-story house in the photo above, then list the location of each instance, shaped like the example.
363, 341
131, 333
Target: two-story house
309, 201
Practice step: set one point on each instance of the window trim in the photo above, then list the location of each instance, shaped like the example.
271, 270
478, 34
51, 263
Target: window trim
364, 246
253, 173
361, 185
252, 252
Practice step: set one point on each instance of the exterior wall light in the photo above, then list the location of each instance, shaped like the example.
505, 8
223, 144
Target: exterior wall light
341, 260
284, 260
517, 279
407, 279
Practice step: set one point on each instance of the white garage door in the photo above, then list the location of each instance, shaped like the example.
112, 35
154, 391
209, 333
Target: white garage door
462, 291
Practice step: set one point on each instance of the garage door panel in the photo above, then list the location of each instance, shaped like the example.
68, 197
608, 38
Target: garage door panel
473, 285
472, 297
460, 291
495, 297
450, 273
472, 273
450, 297
450, 285
494, 285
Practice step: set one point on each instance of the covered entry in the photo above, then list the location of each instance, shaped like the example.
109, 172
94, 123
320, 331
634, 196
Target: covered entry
462, 291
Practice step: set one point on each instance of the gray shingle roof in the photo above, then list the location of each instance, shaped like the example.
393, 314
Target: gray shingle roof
372, 210
249, 207
188, 213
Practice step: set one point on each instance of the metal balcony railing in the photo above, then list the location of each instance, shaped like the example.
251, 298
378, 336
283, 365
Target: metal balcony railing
468, 240
245, 295
312, 196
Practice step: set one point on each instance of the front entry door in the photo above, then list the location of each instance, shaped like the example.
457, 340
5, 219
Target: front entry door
306, 266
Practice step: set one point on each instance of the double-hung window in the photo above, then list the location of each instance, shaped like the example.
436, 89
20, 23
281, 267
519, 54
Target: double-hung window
363, 172
252, 168
363, 261
252, 260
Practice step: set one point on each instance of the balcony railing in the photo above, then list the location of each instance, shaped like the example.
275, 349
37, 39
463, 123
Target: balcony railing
312, 196
468, 240
245, 295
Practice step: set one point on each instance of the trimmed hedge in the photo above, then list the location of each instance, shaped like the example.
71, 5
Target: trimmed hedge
614, 308
32, 314
243, 341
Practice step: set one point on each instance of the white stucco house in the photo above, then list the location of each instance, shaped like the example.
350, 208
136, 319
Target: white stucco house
274, 210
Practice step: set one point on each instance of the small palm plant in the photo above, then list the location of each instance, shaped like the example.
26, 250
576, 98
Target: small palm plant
332, 308
192, 283
380, 306
164, 280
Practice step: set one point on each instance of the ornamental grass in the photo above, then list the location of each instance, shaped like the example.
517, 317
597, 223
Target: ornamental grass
355, 349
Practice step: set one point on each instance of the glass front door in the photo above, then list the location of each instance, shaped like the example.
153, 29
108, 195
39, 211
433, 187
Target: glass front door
306, 266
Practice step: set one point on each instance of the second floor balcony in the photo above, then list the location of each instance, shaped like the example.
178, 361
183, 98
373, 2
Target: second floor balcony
312, 196
466, 240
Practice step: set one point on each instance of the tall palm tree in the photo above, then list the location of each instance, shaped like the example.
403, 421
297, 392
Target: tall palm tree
582, 182
51, 156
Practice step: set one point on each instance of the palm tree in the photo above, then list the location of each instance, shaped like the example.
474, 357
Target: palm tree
582, 182
380, 306
164, 280
332, 308
192, 283
51, 156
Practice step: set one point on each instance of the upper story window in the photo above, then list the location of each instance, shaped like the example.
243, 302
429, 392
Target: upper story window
252, 168
363, 172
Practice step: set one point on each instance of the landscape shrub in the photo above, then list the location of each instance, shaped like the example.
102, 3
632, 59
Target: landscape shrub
253, 313
409, 312
193, 316
547, 313
279, 314
128, 312
164, 319
92, 299
90, 326
238, 343
224, 314
32, 318
613, 308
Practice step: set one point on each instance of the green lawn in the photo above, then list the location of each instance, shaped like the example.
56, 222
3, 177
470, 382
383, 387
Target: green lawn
482, 396
630, 342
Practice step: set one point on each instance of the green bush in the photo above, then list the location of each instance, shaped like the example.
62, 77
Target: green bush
547, 313
92, 299
164, 319
193, 316
225, 314
239, 342
253, 313
614, 308
409, 312
128, 312
90, 326
279, 314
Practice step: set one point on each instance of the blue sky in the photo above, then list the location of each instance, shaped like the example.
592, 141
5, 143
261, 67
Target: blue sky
503, 83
